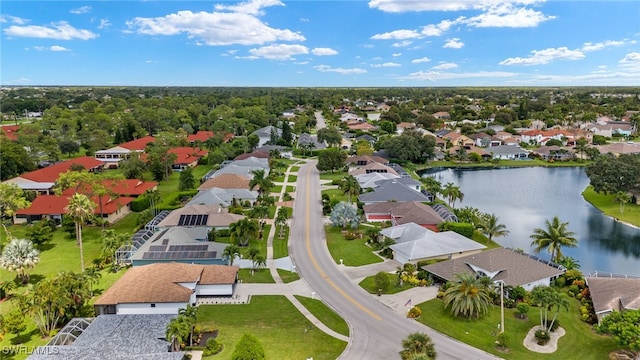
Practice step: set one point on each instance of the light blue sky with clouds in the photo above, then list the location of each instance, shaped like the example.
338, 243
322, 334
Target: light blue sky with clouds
321, 43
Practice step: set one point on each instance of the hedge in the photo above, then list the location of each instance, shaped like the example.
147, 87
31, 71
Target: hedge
464, 229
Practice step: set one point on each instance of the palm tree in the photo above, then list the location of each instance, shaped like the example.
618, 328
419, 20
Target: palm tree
177, 330
190, 315
467, 296
547, 299
569, 263
433, 186
259, 261
92, 275
452, 193
281, 221
80, 209
231, 252
244, 230
350, 186
553, 238
491, 227
261, 181
19, 256
623, 197
418, 346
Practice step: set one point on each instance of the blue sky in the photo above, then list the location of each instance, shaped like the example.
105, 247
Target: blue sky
321, 43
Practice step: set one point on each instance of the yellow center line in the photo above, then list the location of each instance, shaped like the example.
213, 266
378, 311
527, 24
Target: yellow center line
315, 263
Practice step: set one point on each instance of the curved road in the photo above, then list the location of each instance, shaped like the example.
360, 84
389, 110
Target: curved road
376, 330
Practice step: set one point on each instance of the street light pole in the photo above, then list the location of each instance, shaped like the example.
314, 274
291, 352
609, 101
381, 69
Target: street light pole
501, 307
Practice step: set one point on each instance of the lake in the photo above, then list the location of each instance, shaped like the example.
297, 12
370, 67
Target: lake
524, 197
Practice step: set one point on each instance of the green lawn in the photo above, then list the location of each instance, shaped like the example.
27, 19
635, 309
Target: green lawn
283, 332
292, 178
278, 179
276, 189
336, 194
501, 163
288, 276
334, 176
260, 276
369, 284
608, 205
580, 342
294, 169
352, 252
280, 246
326, 316
481, 239
290, 188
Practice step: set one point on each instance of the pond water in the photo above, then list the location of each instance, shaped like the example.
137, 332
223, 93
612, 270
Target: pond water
524, 197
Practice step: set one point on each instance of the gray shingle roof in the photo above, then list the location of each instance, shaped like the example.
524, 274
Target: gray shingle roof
265, 132
393, 191
116, 337
617, 294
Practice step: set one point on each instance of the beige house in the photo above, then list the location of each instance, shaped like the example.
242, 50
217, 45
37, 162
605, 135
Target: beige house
613, 294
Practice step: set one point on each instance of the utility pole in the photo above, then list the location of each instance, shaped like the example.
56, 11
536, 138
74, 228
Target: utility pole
501, 306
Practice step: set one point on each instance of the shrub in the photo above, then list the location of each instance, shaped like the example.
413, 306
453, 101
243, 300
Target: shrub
464, 229
213, 347
248, 348
561, 282
382, 281
574, 289
517, 293
542, 337
502, 339
555, 326
522, 309
414, 313
223, 233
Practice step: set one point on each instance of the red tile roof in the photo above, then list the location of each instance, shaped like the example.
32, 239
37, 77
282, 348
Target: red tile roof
55, 205
10, 131
256, 154
187, 155
138, 144
206, 135
121, 187
51, 173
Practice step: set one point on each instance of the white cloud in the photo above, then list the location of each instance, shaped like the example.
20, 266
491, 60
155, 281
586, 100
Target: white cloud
435, 75
104, 23
601, 45
327, 68
58, 48
440, 28
398, 6
403, 43
397, 35
278, 52
445, 66
304, 20
12, 19
387, 64
506, 15
631, 60
301, 62
396, 54
453, 43
421, 60
323, 52
541, 57
239, 25
81, 10
60, 31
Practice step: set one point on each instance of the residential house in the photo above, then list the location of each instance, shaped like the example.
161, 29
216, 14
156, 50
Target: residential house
393, 191
181, 244
112, 156
10, 131
403, 213
368, 138
213, 217
362, 160
610, 294
43, 180
266, 134
202, 137
508, 152
187, 157
481, 139
307, 139
364, 126
555, 153
130, 336
372, 168
403, 126
406, 181
244, 167
254, 154
415, 243
369, 180
443, 115
283, 151
223, 197
458, 139
54, 207
226, 181
164, 288
504, 265
619, 148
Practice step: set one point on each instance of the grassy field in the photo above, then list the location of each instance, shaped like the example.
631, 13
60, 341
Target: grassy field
292, 178
294, 169
260, 276
580, 342
610, 207
290, 188
283, 332
352, 252
326, 316
369, 284
337, 195
280, 246
277, 189
481, 239
333, 176
288, 276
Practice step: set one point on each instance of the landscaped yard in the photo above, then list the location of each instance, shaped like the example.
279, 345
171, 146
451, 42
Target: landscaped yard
260, 276
369, 284
326, 316
334, 176
352, 252
282, 330
336, 195
294, 169
292, 178
280, 246
290, 188
580, 342
608, 205
288, 276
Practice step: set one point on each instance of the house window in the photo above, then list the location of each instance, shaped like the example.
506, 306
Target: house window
153, 305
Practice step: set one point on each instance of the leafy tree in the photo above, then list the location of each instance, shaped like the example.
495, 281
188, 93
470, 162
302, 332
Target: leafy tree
133, 167
331, 135
40, 232
382, 281
14, 323
19, 256
248, 348
610, 174
409, 146
491, 227
624, 327
80, 209
287, 137
242, 231
553, 238
548, 299
522, 309
387, 126
230, 253
91, 276
418, 346
363, 147
68, 147
14, 160
350, 186
467, 296
187, 181
331, 159
452, 193
111, 242
12, 199
344, 214
160, 161
623, 198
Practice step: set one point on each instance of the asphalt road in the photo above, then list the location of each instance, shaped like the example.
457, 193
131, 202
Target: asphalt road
376, 331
